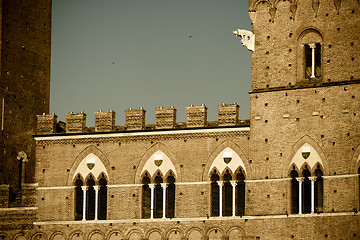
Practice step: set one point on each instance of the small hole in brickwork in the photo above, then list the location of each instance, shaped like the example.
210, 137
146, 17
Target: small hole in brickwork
268, 196
286, 94
267, 85
44, 170
354, 234
328, 61
134, 195
267, 67
112, 196
352, 59
43, 147
267, 159
202, 193
266, 121
292, 236
134, 167
42, 198
290, 50
268, 37
266, 140
113, 168
354, 114
180, 193
290, 34
266, 104
185, 140
335, 191
334, 173
323, 99
345, 88
352, 78
269, 20
327, 14
248, 138
68, 170
250, 161
216, 139
290, 65
74, 145
333, 143
267, 52
119, 144
352, 11
352, 96
256, 96
348, 134
67, 225
151, 142
291, 18
330, 46
329, 80
97, 144
280, 154
352, 44
67, 198
215, 230
297, 119
322, 136
283, 194
181, 165
249, 190
326, 234
338, 29
297, 101
352, 149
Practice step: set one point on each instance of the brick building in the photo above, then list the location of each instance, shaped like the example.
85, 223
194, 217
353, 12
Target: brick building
290, 172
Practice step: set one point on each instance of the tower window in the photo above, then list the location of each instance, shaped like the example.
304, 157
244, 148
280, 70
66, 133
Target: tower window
312, 60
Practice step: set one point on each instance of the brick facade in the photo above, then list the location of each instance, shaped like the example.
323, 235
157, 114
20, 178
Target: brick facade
297, 124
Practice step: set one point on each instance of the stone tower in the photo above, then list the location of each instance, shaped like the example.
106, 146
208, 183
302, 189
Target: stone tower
306, 89
25, 39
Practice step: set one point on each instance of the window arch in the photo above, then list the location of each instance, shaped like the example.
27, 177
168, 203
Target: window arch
310, 54
306, 187
158, 189
227, 183
91, 195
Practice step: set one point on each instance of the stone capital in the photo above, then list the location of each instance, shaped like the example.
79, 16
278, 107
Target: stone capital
300, 179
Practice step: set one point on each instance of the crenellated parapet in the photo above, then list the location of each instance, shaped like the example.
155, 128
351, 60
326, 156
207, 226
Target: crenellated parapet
165, 118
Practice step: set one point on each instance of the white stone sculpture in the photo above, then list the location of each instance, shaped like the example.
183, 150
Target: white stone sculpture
247, 38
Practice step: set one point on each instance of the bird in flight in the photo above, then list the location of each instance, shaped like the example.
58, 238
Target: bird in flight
190, 36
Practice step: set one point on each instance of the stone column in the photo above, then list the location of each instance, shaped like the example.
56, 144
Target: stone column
96, 188
164, 186
233, 184
312, 179
84, 188
312, 46
300, 180
152, 187
221, 184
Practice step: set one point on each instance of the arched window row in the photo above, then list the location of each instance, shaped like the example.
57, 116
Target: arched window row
158, 196
306, 191
91, 198
227, 193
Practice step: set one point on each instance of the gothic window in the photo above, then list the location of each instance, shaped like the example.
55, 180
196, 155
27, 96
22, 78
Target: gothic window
306, 192
294, 192
158, 197
158, 192
170, 197
240, 190
318, 190
227, 195
146, 197
312, 60
102, 198
215, 194
90, 200
78, 199
91, 195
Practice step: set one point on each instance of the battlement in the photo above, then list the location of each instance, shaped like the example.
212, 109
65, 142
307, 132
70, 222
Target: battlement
165, 118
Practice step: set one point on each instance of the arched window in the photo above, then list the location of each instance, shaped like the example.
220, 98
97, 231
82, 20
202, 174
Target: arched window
170, 197
306, 192
240, 194
318, 190
294, 192
102, 198
227, 195
90, 200
79, 197
146, 197
158, 197
215, 209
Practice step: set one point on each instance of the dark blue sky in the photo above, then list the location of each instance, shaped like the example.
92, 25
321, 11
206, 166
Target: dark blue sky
117, 54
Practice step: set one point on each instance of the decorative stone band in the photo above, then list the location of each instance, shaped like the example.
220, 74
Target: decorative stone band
143, 136
200, 183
